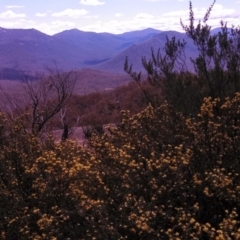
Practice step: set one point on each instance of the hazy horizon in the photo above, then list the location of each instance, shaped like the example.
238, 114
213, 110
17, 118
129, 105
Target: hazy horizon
51, 16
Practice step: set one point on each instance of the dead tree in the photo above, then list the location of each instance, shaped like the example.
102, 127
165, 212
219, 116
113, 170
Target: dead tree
48, 95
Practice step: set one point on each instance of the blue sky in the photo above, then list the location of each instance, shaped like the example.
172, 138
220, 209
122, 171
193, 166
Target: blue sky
114, 16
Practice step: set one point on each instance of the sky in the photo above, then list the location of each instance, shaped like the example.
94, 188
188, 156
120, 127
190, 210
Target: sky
113, 16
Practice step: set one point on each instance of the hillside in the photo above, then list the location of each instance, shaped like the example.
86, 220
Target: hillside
28, 50
88, 80
143, 49
91, 80
101, 46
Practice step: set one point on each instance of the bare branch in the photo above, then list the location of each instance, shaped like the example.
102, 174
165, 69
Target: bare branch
48, 95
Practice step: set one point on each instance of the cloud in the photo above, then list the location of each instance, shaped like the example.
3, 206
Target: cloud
18, 23
14, 6
40, 14
59, 23
55, 26
91, 17
91, 2
10, 14
155, 0
72, 13
143, 16
218, 13
45, 27
177, 14
118, 24
167, 21
141, 21
118, 15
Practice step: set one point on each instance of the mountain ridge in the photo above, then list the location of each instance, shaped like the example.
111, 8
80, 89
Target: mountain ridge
30, 50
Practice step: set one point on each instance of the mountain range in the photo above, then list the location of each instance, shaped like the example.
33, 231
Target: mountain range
30, 50
26, 51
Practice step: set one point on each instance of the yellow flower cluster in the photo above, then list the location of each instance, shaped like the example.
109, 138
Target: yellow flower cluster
157, 175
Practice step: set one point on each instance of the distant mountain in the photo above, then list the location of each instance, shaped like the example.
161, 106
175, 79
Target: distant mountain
216, 30
143, 49
140, 34
136, 37
219, 29
93, 46
98, 47
29, 50
98, 58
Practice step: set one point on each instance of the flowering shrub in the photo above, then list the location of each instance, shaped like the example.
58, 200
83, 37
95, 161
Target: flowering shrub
157, 175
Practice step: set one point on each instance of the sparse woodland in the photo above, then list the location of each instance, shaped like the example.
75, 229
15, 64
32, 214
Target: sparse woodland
168, 169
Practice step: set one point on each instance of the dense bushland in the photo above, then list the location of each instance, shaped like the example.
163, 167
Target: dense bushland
169, 171
216, 68
158, 175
